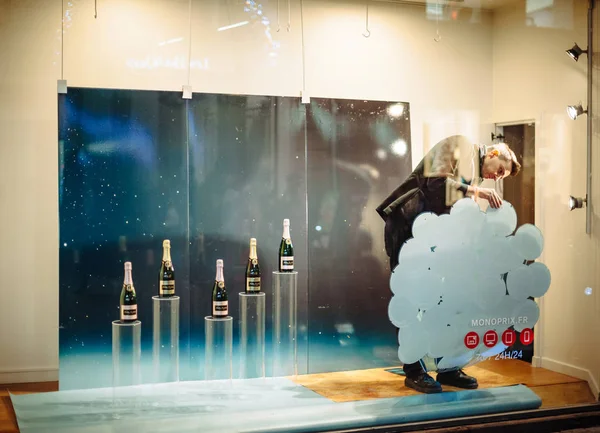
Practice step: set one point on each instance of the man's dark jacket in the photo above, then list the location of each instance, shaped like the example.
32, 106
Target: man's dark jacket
417, 194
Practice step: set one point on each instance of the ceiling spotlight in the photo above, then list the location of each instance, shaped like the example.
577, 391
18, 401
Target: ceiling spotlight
575, 52
498, 137
574, 111
576, 202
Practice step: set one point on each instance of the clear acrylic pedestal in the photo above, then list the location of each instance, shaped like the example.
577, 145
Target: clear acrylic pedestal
126, 353
165, 339
285, 341
252, 335
218, 341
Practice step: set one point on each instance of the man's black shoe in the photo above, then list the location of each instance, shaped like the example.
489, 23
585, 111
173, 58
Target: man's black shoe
458, 379
423, 383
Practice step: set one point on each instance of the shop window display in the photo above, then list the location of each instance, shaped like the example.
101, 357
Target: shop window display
218, 182
250, 252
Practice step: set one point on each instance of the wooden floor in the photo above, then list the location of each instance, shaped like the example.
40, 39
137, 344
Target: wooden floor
8, 422
554, 389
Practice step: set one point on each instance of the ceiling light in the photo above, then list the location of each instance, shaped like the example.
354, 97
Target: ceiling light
399, 147
170, 41
395, 110
381, 154
233, 26
575, 111
576, 202
575, 52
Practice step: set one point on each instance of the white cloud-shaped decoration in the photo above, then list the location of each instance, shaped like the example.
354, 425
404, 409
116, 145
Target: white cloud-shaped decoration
461, 272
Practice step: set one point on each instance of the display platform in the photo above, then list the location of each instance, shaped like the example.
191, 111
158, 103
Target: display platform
264, 404
377, 383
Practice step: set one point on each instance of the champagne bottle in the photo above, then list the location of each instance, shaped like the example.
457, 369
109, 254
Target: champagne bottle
286, 249
166, 281
128, 300
252, 270
220, 305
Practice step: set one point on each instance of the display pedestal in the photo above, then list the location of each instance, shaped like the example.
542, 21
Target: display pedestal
126, 353
165, 339
252, 335
285, 343
218, 337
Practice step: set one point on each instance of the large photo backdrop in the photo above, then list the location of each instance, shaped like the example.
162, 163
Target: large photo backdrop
137, 167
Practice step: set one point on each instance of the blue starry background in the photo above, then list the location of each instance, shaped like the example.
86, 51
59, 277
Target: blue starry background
137, 167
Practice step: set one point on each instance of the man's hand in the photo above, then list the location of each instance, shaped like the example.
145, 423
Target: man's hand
491, 196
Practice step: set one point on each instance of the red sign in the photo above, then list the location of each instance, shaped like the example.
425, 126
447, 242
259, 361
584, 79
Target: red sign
472, 340
527, 336
509, 337
490, 338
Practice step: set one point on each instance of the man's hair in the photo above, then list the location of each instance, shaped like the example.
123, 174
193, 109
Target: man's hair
508, 155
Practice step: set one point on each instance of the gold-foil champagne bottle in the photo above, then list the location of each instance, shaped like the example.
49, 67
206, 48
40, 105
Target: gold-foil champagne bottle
253, 270
166, 283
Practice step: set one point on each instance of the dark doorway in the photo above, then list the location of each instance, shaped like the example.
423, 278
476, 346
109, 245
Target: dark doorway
520, 190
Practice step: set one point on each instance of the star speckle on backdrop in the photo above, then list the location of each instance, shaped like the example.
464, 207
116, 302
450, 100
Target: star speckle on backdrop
119, 170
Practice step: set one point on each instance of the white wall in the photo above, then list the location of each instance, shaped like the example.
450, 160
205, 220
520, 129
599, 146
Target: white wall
28, 190
535, 79
447, 83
